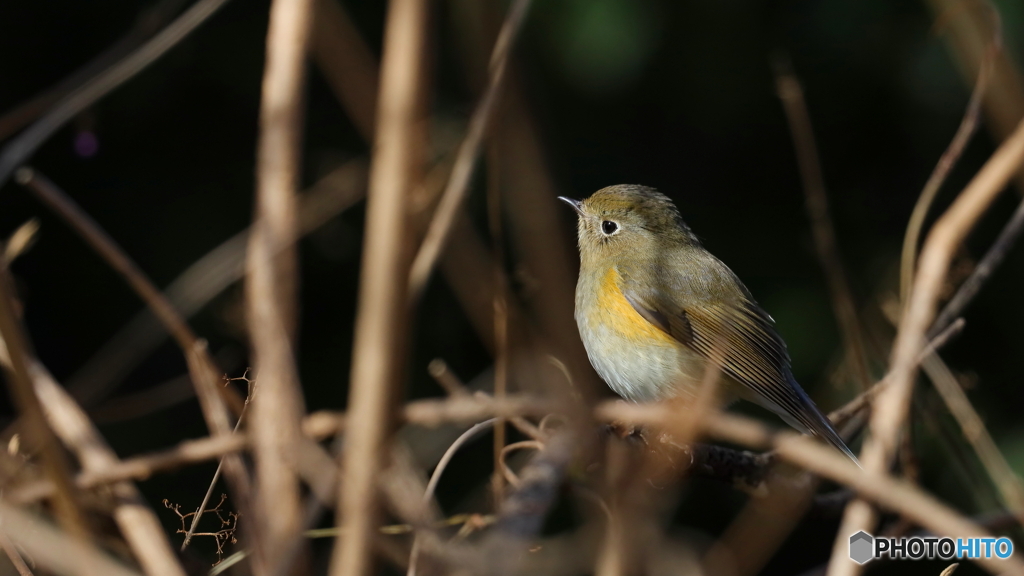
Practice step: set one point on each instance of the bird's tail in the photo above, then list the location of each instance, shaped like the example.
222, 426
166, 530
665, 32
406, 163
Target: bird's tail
811, 421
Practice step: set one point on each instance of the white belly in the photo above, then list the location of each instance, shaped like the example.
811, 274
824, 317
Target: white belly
641, 373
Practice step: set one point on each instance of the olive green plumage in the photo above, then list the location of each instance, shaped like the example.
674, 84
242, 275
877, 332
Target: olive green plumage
653, 306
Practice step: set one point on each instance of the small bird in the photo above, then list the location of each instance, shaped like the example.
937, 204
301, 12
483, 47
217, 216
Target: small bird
654, 307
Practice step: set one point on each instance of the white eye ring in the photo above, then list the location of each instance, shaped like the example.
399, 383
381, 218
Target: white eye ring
609, 227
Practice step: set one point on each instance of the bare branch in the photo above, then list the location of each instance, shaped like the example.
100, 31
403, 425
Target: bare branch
378, 353
272, 280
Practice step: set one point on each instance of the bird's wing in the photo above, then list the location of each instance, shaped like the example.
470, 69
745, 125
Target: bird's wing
743, 338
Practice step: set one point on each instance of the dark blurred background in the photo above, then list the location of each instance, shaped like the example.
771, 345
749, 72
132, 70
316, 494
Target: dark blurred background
673, 94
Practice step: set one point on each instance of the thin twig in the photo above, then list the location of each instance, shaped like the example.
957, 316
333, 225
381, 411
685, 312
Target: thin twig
378, 352
216, 476
840, 415
892, 405
271, 287
973, 427
982, 271
115, 256
200, 365
315, 426
968, 126
435, 477
788, 88
20, 149
465, 161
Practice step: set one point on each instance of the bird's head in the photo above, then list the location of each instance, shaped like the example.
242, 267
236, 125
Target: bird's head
626, 220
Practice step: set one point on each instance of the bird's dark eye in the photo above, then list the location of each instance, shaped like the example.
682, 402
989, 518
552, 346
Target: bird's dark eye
609, 227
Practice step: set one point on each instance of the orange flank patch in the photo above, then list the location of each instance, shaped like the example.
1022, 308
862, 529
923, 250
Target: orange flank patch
621, 318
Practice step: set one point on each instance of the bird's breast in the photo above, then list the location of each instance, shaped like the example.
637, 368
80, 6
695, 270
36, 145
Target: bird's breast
638, 360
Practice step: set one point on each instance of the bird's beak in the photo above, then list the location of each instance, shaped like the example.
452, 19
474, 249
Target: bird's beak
576, 204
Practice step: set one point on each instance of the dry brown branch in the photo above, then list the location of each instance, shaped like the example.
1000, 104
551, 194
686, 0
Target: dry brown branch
118, 259
204, 280
458, 183
886, 491
973, 427
201, 367
40, 539
378, 352
139, 467
15, 354
892, 404
841, 415
347, 63
272, 281
15, 557
316, 426
947, 161
20, 149
790, 92
139, 526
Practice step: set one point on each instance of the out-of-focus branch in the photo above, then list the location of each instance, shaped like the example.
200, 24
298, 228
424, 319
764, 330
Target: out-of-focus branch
892, 404
139, 526
118, 259
146, 24
973, 427
54, 550
272, 281
840, 415
465, 161
15, 353
878, 487
18, 150
969, 29
949, 158
347, 64
315, 426
788, 88
200, 365
378, 354
205, 279
982, 271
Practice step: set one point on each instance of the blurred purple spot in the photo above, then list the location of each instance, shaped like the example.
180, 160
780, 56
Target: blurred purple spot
86, 144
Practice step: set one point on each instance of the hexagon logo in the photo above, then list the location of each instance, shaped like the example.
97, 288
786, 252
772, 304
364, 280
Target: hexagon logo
860, 547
